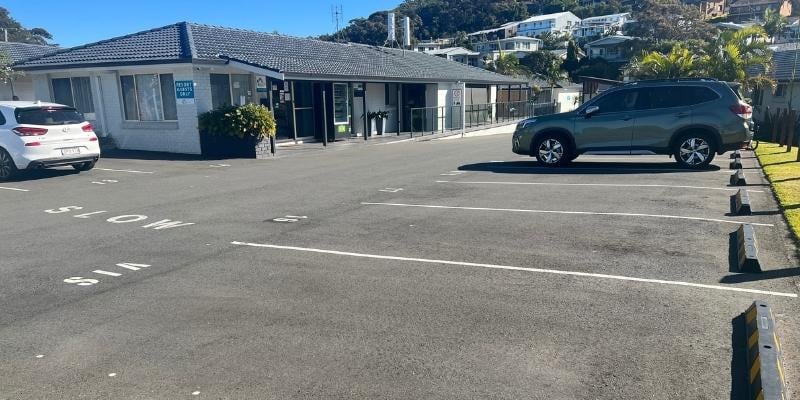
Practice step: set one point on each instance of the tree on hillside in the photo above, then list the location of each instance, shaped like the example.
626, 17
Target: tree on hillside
435, 19
539, 62
18, 33
669, 20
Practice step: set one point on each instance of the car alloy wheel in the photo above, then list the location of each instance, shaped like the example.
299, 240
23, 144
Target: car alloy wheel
551, 151
6, 165
694, 151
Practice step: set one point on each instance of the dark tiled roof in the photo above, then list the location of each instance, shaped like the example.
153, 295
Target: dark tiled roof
184, 42
23, 51
785, 61
160, 44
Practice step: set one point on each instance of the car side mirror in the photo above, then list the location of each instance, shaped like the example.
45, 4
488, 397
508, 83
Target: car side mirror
590, 110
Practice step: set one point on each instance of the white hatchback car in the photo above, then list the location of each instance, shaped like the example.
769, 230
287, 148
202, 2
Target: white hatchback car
43, 135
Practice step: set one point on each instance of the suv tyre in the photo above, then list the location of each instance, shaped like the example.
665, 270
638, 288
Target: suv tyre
694, 150
552, 150
86, 166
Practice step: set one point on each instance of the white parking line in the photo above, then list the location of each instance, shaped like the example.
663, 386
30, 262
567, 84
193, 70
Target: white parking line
517, 210
512, 268
395, 142
124, 170
732, 189
14, 189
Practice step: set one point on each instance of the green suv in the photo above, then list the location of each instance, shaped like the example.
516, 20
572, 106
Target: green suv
690, 119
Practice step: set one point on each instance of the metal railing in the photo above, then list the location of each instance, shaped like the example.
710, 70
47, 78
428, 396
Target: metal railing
431, 120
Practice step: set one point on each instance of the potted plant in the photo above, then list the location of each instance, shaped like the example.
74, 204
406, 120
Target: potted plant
380, 118
237, 131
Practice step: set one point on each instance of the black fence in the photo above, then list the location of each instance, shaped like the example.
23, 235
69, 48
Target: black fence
430, 120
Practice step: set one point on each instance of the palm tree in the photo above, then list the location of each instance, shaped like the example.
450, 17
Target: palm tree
774, 23
734, 53
678, 63
553, 74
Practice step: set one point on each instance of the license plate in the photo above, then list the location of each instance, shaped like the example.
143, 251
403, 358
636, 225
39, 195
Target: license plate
70, 151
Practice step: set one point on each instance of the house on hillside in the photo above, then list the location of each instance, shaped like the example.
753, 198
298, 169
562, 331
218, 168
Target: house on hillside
556, 24
713, 8
615, 48
21, 87
507, 30
601, 25
750, 10
460, 55
147, 88
433, 44
520, 46
786, 72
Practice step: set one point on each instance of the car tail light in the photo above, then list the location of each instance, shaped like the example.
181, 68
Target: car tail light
29, 131
93, 139
87, 128
32, 144
743, 110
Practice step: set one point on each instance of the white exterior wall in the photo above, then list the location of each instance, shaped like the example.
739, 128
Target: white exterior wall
22, 88
179, 136
774, 102
376, 99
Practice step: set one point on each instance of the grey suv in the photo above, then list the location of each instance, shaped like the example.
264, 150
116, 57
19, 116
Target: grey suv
690, 119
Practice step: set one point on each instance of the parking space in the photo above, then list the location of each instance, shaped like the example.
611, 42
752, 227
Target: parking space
421, 270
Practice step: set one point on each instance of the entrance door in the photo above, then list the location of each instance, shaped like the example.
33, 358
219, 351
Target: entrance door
413, 96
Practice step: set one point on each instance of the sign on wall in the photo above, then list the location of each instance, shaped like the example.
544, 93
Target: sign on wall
261, 83
458, 95
184, 92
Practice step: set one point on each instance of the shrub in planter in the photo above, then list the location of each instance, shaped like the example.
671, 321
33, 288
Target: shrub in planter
237, 131
380, 118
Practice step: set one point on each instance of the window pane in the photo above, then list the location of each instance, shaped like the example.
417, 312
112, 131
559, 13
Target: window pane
48, 116
62, 91
617, 101
148, 93
168, 97
391, 94
220, 90
129, 97
82, 93
341, 109
303, 94
241, 89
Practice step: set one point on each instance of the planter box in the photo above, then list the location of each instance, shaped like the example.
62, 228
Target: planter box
225, 146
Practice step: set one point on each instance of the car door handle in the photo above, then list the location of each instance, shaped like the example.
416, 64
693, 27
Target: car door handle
627, 118
682, 115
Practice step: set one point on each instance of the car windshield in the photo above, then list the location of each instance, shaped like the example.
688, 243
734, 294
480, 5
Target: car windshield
48, 116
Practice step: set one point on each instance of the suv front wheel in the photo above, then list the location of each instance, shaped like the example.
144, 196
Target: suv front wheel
552, 150
694, 150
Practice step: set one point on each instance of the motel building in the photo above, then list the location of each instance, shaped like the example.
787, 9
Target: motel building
145, 90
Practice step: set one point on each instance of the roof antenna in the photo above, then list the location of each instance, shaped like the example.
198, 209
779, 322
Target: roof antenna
336, 18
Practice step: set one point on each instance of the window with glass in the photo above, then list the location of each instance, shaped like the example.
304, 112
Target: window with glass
390, 92
341, 104
149, 97
75, 92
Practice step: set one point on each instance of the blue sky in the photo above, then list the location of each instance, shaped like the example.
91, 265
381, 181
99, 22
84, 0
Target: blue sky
77, 22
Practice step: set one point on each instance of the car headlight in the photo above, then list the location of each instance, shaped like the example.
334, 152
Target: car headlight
526, 123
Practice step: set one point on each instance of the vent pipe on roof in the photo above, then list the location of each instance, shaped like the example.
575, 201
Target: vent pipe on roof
407, 32
390, 28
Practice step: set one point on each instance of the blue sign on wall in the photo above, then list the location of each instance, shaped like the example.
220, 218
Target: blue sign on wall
184, 92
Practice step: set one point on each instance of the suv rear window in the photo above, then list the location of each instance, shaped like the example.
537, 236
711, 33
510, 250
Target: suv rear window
48, 116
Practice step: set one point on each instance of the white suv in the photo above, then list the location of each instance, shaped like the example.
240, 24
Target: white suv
43, 135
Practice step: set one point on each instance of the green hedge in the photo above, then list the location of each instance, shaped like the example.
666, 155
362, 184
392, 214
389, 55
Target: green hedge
241, 121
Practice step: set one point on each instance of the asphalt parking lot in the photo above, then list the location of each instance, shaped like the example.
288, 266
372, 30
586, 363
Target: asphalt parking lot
444, 269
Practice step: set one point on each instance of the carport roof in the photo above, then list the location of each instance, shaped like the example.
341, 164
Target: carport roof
294, 57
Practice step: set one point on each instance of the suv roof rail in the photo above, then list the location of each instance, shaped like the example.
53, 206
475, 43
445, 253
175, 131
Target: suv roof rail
671, 80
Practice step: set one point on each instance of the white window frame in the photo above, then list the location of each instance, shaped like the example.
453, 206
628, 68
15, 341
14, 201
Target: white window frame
347, 103
136, 96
